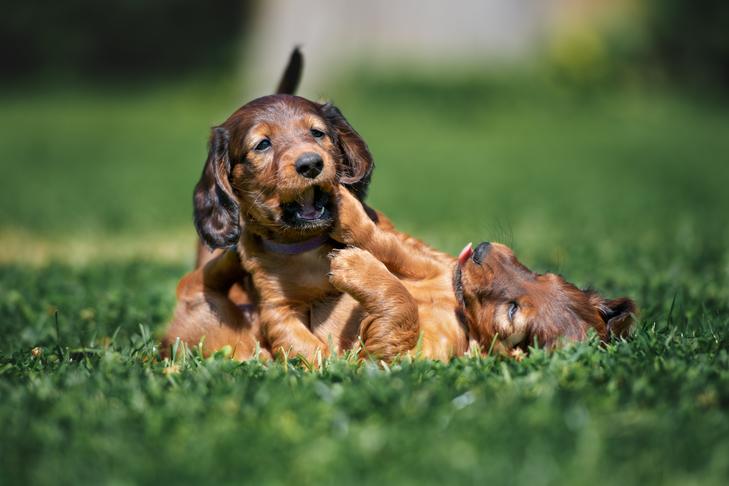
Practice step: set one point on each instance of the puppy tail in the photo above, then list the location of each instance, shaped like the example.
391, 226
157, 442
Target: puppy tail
292, 75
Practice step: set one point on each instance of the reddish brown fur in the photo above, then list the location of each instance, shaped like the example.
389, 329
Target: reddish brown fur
216, 305
402, 285
405, 287
395, 288
240, 200
506, 305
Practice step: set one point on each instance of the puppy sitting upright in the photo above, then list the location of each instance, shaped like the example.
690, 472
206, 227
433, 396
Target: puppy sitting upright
268, 187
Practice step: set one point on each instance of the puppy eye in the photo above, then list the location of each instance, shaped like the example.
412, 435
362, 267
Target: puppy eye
316, 133
262, 145
513, 307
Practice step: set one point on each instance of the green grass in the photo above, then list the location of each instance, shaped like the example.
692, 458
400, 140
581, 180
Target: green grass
625, 191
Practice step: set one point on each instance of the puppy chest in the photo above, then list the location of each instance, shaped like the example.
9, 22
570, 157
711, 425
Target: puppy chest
303, 277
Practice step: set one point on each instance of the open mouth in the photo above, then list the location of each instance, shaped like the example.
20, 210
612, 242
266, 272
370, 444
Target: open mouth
310, 209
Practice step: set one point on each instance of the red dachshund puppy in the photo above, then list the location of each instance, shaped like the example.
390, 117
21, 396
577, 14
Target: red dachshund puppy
267, 191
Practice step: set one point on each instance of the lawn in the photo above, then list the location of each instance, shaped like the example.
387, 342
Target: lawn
622, 190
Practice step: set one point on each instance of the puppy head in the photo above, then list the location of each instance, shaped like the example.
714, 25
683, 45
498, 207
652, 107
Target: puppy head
508, 306
274, 166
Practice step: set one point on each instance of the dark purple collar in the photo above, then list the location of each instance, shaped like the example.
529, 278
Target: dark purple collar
294, 248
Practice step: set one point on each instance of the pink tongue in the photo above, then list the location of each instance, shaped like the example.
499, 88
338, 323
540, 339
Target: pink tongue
308, 211
465, 254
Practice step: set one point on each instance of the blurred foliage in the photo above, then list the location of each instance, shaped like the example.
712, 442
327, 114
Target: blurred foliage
691, 39
125, 38
646, 42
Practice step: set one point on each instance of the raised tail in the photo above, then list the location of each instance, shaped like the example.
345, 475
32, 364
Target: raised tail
292, 75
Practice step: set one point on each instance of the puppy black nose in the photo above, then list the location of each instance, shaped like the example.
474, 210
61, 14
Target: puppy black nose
309, 165
480, 252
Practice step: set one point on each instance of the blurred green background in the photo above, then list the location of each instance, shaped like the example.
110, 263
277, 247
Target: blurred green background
606, 130
600, 150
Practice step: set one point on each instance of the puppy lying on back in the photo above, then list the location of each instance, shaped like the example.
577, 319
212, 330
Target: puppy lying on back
486, 296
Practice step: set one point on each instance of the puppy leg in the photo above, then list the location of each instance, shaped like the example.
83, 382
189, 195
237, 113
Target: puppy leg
204, 310
284, 314
391, 326
289, 335
354, 227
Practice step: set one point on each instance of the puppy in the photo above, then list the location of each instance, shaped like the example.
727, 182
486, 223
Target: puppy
485, 297
265, 202
268, 187
506, 306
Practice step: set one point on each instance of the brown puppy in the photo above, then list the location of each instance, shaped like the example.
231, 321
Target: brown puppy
295, 153
268, 189
486, 296
508, 306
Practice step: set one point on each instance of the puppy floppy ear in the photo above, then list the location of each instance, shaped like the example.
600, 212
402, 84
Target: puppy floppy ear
618, 315
357, 161
216, 210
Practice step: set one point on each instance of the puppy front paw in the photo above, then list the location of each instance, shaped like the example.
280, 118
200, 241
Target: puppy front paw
352, 223
348, 266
